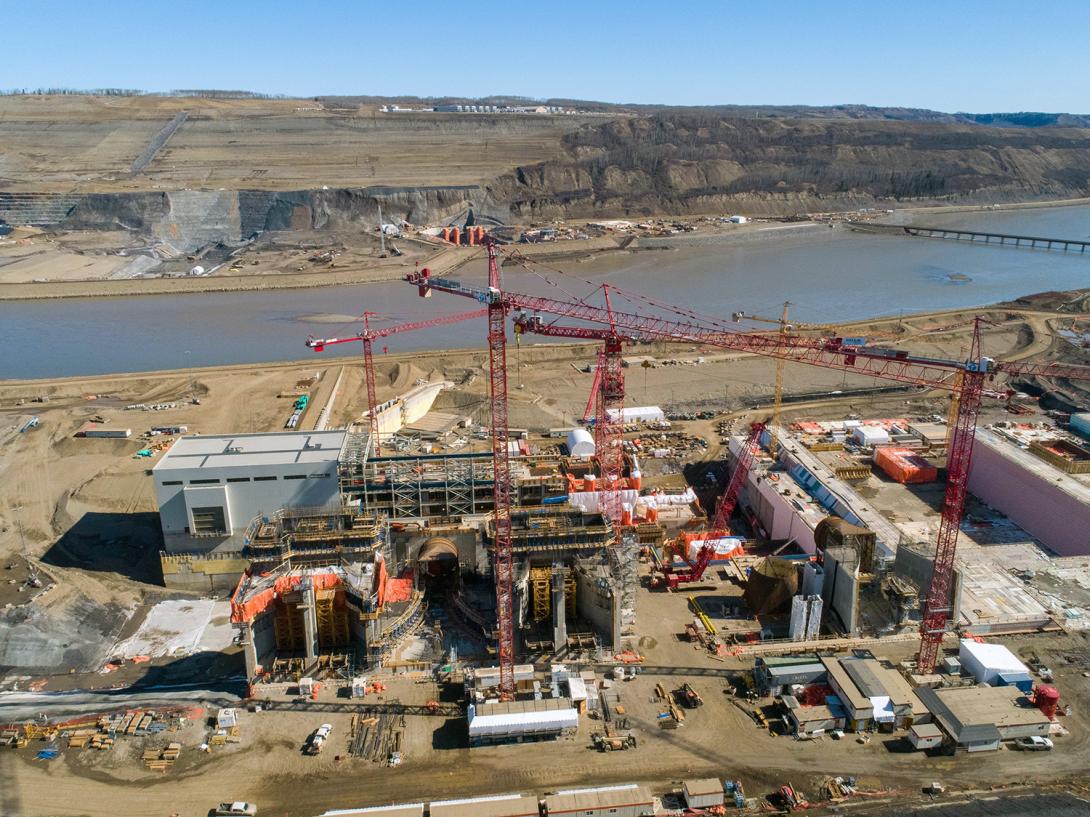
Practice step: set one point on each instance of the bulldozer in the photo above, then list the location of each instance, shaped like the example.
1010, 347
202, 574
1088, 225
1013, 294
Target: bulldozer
611, 743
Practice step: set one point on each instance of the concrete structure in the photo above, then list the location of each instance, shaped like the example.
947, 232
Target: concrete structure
406, 409
210, 488
630, 800
707, 792
1047, 503
978, 718
496, 805
301, 615
313, 536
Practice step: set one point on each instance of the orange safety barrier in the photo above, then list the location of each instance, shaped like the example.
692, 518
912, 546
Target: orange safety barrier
400, 589
248, 610
383, 579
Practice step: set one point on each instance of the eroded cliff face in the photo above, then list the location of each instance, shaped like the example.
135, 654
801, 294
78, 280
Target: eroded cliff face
188, 219
636, 166
698, 164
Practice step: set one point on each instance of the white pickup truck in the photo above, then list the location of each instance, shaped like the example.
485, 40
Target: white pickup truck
235, 809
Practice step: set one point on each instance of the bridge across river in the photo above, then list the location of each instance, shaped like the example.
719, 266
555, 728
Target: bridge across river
976, 236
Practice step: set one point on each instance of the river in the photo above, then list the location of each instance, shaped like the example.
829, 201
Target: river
828, 277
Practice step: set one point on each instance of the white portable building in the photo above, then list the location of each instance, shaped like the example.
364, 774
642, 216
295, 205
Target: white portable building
870, 435
580, 443
499, 720
704, 793
986, 662
639, 414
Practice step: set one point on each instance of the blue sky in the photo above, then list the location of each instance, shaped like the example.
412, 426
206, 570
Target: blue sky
958, 55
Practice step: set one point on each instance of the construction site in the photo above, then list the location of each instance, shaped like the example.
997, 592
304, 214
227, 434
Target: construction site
410, 567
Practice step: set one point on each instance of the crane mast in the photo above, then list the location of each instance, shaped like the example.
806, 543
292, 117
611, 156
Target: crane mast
938, 605
833, 353
501, 475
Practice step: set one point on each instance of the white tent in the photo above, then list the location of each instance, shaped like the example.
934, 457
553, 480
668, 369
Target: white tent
580, 443
985, 662
639, 414
513, 723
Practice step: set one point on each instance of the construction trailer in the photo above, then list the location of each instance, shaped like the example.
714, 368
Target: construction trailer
496, 805
707, 792
406, 810
630, 800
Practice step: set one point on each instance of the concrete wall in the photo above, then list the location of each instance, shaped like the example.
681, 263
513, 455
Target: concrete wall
1060, 520
917, 566
264, 635
778, 516
597, 607
840, 594
210, 573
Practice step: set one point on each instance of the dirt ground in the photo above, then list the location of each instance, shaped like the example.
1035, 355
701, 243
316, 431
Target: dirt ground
87, 144
718, 739
52, 483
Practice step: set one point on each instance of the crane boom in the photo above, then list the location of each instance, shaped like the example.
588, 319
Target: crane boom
501, 469
828, 352
606, 400
368, 337
737, 479
968, 377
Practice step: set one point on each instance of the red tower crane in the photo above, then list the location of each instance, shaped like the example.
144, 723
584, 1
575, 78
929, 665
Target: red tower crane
368, 337
834, 353
607, 397
729, 500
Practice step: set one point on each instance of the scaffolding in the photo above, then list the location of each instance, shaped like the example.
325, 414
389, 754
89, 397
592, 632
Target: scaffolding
307, 536
623, 562
539, 530
443, 485
540, 589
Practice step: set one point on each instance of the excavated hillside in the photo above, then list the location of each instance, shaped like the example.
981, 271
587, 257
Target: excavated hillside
685, 163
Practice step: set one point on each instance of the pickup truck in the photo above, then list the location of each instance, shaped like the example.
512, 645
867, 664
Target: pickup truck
1034, 743
318, 738
236, 809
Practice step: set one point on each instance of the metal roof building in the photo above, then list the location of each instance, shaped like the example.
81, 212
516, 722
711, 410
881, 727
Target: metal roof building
978, 718
407, 810
209, 488
630, 800
497, 805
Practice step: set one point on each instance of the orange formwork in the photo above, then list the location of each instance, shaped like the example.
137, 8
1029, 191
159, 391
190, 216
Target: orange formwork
904, 465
